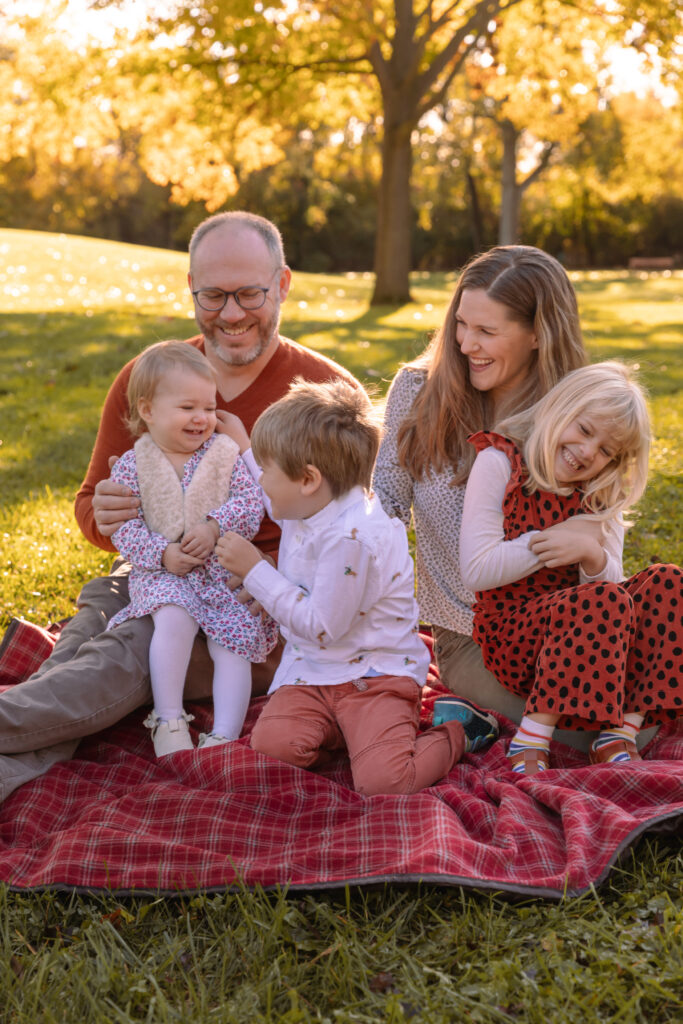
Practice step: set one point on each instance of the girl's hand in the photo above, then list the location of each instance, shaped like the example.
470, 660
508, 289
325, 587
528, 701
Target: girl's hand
236, 554
200, 541
570, 542
177, 562
228, 423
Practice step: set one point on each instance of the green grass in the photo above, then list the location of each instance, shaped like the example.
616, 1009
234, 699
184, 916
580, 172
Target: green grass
72, 310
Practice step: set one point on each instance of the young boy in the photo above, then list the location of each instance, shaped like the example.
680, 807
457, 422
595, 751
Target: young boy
353, 665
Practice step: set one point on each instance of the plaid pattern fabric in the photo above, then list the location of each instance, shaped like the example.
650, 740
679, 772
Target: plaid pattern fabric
116, 819
24, 648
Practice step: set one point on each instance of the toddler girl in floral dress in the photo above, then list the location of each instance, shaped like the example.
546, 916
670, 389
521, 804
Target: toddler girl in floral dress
193, 487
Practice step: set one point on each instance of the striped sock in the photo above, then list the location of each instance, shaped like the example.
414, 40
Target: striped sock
531, 734
627, 732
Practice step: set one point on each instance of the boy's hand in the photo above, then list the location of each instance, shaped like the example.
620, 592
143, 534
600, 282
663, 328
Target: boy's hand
177, 562
568, 543
242, 595
201, 540
228, 423
236, 554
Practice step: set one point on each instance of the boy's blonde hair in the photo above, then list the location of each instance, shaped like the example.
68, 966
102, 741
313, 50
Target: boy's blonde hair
331, 426
149, 368
608, 391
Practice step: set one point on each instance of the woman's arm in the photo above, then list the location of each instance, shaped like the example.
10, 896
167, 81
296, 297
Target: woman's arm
487, 560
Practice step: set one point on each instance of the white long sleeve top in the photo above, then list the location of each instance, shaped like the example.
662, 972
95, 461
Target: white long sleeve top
343, 594
487, 560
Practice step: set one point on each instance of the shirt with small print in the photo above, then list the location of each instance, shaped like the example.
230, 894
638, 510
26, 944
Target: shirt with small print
343, 594
435, 503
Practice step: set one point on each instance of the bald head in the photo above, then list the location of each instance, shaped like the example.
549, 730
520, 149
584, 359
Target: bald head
239, 221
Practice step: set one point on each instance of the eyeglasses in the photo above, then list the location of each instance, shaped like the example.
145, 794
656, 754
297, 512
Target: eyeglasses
214, 299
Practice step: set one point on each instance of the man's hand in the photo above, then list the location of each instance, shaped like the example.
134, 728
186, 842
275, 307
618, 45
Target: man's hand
575, 540
113, 504
200, 541
236, 554
177, 562
232, 425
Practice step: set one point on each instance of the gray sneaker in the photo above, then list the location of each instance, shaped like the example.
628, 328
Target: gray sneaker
480, 727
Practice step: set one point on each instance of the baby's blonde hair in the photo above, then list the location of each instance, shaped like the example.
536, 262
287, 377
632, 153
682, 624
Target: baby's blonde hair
331, 426
608, 391
149, 368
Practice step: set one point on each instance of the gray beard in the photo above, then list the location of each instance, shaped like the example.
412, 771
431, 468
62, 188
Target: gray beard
250, 356
237, 358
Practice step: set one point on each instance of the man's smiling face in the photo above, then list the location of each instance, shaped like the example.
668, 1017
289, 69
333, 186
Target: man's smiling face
232, 258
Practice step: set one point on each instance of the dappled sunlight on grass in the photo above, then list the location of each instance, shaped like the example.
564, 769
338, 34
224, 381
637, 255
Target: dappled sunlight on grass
45, 272
42, 547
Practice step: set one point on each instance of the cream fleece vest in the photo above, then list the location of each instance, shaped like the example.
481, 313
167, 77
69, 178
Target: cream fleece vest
166, 508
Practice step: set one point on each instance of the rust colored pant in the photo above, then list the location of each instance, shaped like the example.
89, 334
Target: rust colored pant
375, 719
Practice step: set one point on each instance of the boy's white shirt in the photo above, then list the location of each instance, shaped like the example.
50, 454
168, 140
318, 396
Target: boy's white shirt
343, 594
487, 560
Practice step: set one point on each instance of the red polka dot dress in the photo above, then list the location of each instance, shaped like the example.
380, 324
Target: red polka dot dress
590, 652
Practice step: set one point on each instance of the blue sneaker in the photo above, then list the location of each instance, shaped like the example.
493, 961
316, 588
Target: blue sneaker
480, 727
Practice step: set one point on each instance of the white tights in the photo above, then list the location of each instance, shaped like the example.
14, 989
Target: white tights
169, 656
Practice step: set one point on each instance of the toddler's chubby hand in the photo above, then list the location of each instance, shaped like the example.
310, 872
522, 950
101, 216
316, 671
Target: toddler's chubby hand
200, 540
177, 562
232, 425
236, 554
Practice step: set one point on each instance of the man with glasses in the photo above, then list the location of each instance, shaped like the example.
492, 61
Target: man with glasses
238, 278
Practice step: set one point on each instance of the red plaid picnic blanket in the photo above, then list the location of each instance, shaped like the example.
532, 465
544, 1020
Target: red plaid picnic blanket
116, 819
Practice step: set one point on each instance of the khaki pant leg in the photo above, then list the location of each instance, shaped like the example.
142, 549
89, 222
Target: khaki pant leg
92, 679
98, 602
106, 679
17, 769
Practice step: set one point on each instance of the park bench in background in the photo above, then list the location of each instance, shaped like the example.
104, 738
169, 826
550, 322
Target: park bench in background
651, 263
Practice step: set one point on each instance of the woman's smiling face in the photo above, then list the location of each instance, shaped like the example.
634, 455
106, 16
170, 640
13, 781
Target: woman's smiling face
499, 350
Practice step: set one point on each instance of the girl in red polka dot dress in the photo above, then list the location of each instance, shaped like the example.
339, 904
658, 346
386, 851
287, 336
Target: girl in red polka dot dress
541, 544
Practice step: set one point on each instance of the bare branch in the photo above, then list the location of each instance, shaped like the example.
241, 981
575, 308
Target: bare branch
548, 151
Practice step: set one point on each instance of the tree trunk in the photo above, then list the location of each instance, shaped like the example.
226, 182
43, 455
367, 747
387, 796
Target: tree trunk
508, 231
394, 218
